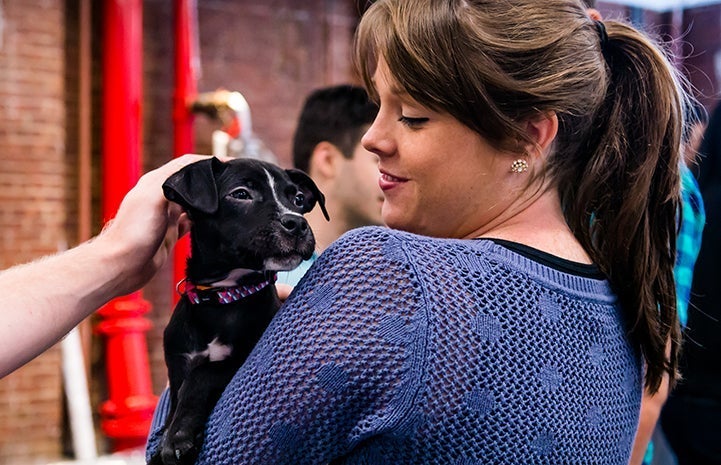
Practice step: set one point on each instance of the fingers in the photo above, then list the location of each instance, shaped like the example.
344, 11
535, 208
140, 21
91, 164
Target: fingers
171, 237
178, 219
184, 224
164, 171
176, 214
283, 290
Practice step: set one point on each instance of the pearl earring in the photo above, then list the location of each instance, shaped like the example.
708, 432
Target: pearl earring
519, 166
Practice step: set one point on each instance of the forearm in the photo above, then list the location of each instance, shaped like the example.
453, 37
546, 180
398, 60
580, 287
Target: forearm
45, 299
651, 405
650, 413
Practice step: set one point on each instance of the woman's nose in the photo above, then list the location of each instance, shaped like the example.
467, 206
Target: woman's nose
377, 138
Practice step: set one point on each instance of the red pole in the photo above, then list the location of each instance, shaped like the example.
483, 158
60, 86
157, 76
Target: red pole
127, 414
186, 67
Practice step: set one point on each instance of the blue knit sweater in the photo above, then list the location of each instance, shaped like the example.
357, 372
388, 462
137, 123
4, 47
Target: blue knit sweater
402, 349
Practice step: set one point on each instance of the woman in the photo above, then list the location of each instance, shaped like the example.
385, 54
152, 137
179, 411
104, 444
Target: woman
524, 292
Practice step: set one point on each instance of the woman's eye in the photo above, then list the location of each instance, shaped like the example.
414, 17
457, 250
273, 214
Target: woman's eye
299, 199
241, 194
412, 122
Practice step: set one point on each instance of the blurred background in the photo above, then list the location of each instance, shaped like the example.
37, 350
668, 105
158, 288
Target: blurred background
93, 93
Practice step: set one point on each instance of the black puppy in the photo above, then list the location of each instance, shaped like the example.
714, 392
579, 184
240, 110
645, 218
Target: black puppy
247, 224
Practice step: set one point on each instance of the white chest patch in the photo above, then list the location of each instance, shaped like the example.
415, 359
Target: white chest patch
215, 352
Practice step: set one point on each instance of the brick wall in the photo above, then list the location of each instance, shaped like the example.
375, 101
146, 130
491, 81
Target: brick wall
33, 198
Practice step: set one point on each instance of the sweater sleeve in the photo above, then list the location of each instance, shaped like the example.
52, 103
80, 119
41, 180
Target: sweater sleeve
340, 363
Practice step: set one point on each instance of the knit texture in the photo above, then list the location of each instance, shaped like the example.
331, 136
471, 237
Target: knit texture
402, 349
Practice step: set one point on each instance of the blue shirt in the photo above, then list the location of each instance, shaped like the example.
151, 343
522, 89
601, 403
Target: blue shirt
293, 276
688, 243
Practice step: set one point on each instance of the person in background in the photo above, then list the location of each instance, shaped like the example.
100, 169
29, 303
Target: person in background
691, 418
692, 219
522, 294
46, 298
326, 145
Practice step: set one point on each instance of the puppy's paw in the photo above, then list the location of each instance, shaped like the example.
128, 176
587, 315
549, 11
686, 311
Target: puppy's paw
180, 449
156, 459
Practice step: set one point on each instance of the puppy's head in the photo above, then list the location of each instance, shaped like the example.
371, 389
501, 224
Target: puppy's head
247, 213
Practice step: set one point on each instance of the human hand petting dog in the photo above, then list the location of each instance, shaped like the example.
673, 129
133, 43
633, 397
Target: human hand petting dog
46, 298
146, 227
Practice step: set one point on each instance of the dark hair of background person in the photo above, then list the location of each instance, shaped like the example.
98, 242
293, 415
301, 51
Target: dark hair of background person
617, 171
335, 114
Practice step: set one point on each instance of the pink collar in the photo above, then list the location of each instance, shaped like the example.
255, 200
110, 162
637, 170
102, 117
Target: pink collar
224, 295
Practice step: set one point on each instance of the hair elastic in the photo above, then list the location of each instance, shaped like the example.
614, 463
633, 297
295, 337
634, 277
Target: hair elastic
602, 34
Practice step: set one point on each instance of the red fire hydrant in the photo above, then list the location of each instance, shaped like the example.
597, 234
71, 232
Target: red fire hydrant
127, 414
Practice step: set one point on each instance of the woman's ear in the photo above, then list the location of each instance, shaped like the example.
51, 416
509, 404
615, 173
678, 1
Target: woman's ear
542, 131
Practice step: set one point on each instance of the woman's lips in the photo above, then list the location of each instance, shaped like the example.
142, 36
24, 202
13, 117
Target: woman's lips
388, 181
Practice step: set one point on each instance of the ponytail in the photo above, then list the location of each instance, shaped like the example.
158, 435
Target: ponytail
625, 208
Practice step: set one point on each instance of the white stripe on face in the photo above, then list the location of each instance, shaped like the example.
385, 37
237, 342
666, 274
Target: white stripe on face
283, 210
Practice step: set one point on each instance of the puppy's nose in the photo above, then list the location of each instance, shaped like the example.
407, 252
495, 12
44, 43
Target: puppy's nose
294, 224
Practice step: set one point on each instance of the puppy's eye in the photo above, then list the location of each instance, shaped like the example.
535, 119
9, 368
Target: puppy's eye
299, 199
241, 194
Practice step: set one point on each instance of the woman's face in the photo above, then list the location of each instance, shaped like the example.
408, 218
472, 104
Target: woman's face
439, 177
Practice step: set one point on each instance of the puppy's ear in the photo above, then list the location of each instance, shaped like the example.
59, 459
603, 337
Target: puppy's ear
310, 190
194, 187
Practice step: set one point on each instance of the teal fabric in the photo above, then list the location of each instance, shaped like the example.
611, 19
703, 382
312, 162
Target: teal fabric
293, 277
688, 243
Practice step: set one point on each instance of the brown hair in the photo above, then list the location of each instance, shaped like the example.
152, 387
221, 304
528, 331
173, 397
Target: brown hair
492, 65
